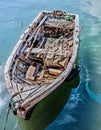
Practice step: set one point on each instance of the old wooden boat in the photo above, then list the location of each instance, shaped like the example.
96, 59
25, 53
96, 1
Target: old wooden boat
42, 59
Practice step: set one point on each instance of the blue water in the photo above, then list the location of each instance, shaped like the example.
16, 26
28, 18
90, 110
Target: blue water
82, 111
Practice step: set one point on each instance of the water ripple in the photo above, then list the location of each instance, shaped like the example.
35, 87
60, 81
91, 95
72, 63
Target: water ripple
66, 120
96, 97
3, 90
10, 24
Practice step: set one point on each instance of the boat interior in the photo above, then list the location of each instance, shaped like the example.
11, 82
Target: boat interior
45, 51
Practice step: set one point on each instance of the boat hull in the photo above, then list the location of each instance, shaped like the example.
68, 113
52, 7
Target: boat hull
49, 108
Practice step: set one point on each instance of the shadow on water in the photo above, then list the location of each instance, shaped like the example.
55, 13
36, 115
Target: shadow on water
49, 108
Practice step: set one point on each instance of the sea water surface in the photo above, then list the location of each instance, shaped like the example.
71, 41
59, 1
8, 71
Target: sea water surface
83, 109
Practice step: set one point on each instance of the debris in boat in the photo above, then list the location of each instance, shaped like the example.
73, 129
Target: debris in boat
55, 72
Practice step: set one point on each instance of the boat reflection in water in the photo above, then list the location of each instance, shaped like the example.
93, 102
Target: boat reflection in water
49, 108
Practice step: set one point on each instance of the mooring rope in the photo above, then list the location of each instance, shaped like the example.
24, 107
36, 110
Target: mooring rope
81, 29
8, 110
15, 125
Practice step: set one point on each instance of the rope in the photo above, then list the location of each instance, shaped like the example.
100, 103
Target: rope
15, 125
81, 29
22, 24
8, 110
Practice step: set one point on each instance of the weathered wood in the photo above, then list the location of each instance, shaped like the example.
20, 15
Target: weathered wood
36, 31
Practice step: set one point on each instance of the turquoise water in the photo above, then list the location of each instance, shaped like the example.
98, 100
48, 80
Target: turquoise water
82, 111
